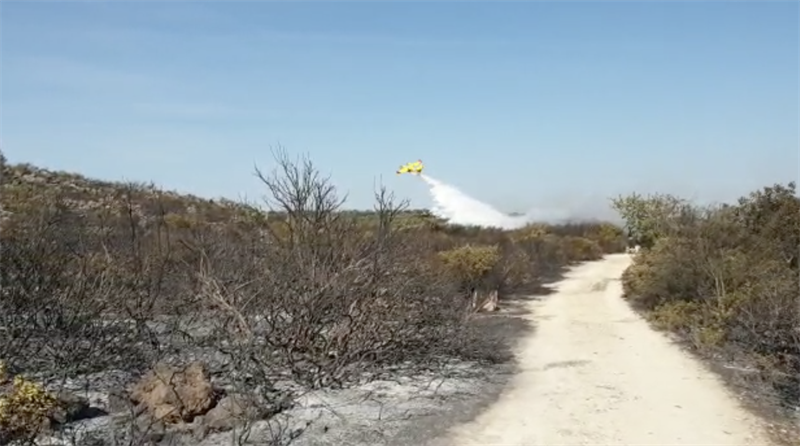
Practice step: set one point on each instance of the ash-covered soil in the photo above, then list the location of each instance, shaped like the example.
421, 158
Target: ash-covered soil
406, 404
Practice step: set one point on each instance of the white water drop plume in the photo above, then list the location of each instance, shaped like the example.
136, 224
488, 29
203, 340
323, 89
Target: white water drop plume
456, 207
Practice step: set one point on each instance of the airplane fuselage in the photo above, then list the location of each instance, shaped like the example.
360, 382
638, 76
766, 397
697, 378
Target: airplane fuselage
414, 168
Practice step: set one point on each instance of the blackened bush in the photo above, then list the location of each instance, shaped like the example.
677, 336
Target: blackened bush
304, 288
55, 296
333, 298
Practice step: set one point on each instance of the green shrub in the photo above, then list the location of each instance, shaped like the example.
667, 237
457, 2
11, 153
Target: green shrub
610, 238
24, 407
581, 249
725, 278
471, 264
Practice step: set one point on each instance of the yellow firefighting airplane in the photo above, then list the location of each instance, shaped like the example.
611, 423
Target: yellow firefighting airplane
414, 167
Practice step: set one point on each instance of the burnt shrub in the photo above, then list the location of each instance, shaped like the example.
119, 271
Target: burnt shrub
99, 275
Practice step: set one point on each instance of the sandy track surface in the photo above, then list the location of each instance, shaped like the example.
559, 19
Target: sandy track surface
595, 373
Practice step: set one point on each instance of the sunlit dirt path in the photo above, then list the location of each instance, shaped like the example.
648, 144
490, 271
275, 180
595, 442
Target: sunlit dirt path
594, 372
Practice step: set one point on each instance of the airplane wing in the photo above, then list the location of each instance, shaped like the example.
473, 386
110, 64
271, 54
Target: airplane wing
405, 168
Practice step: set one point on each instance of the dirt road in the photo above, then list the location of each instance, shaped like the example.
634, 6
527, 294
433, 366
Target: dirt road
594, 373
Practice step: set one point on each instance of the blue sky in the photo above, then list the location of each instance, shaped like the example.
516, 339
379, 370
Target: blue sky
519, 104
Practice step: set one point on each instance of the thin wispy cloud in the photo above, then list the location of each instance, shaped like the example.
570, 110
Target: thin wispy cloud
109, 36
188, 111
373, 39
73, 73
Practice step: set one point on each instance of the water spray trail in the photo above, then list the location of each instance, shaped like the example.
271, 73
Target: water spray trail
459, 208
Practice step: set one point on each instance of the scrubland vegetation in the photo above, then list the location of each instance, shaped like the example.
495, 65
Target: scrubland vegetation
105, 283
725, 280
101, 277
